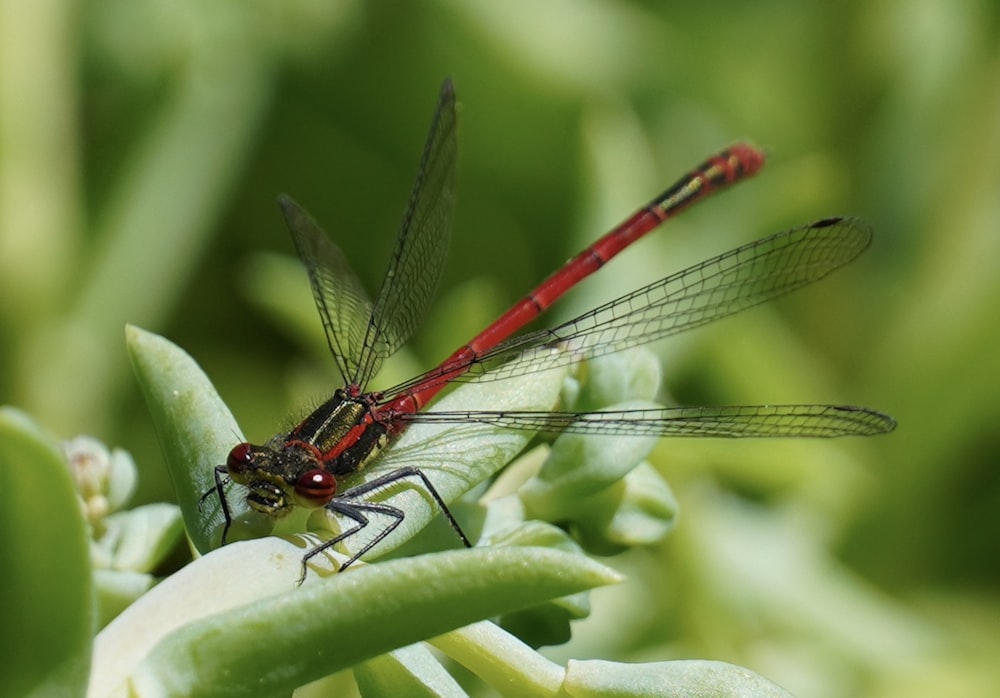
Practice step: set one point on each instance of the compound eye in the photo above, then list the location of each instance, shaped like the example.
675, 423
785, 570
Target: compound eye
318, 486
240, 458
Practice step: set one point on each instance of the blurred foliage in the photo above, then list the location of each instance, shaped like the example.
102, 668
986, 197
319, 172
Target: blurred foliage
142, 145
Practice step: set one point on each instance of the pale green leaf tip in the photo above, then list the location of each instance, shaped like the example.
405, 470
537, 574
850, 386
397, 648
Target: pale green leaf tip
673, 679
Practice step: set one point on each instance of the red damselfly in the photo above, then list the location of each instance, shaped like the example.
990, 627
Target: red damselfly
348, 431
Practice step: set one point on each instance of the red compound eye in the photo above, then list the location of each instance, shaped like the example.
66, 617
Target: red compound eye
318, 486
240, 458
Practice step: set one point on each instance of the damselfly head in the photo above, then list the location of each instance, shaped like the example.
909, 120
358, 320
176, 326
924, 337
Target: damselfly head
279, 478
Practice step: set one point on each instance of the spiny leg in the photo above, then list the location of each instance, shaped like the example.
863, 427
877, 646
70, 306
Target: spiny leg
403, 473
356, 512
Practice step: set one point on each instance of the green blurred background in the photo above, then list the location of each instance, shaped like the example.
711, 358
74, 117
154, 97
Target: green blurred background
143, 143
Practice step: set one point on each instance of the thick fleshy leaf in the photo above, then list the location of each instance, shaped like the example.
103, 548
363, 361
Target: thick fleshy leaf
180, 640
195, 428
137, 540
633, 374
409, 672
503, 661
679, 679
638, 510
116, 590
547, 623
48, 616
581, 465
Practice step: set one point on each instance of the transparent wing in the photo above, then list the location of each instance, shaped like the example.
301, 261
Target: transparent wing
739, 421
362, 334
421, 247
721, 286
340, 298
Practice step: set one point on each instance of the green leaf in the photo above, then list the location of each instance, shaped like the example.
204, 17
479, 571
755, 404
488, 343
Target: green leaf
195, 428
623, 376
135, 542
637, 510
116, 590
503, 661
409, 672
139, 539
547, 623
48, 616
180, 640
581, 465
680, 679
